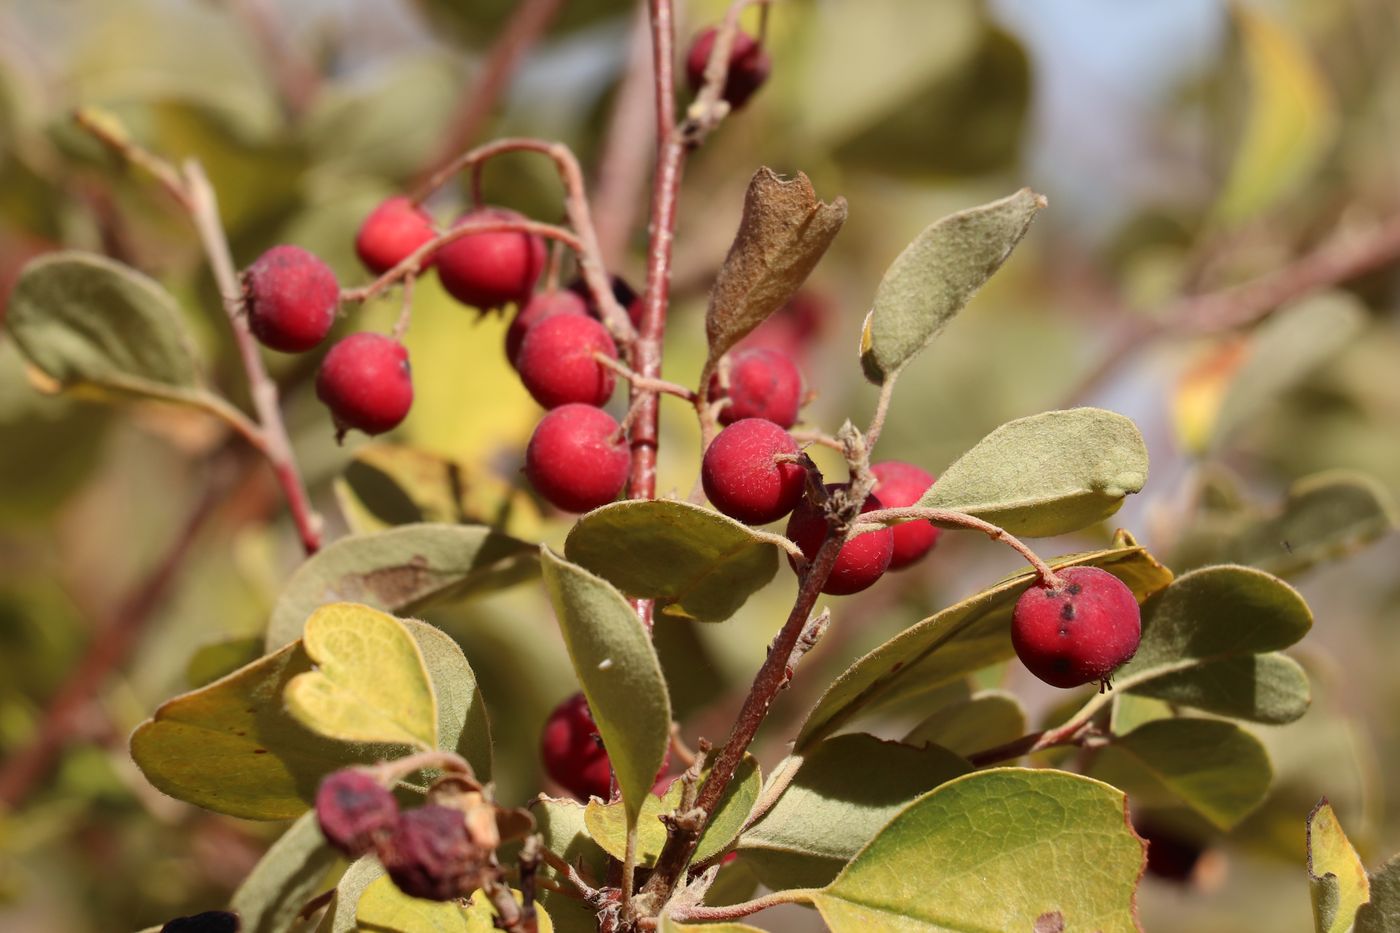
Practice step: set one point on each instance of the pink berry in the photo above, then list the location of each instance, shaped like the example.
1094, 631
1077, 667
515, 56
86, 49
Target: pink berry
899, 484
749, 65
391, 233
557, 363
539, 307
742, 478
577, 458
365, 382
291, 296
860, 562
572, 751
762, 384
431, 854
354, 810
1079, 632
488, 270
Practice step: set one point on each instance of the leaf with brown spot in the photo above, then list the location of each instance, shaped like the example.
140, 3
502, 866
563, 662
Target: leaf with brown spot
784, 231
1051, 922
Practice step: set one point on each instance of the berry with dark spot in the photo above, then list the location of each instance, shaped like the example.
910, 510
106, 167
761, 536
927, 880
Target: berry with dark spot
743, 477
1078, 632
861, 560
557, 362
491, 269
749, 65
763, 383
577, 458
542, 305
366, 383
291, 297
391, 233
430, 854
354, 810
899, 484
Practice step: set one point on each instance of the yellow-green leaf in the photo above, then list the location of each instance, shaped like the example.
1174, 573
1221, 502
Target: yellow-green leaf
481, 915
369, 684
384, 908
620, 673
984, 720
1337, 877
996, 850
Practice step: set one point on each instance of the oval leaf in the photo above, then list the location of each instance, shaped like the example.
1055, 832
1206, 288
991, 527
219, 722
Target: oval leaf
936, 275
1214, 767
996, 850
561, 825
383, 907
955, 642
695, 562
1269, 688
1049, 474
844, 791
481, 915
340, 912
1382, 913
370, 683
618, 668
1337, 877
399, 570
287, 876
984, 720
85, 320
784, 230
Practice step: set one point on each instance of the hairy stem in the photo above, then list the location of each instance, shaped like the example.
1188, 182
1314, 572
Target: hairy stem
703, 914
873, 520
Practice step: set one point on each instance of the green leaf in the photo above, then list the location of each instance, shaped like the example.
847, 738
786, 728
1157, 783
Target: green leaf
844, 790
1382, 913
984, 720
288, 875
955, 642
400, 570
1291, 120
696, 563
996, 850
1269, 688
1214, 767
784, 231
1337, 878
89, 322
370, 683
385, 909
232, 747
340, 912
1212, 615
221, 658
1049, 474
618, 668
481, 915
935, 277
562, 829
607, 823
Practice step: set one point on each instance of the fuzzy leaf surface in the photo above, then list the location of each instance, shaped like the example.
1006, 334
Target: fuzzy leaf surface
996, 850
399, 570
955, 642
385, 909
984, 720
561, 825
340, 912
620, 673
370, 683
935, 277
844, 791
785, 229
1382, 913
695, 562
1213, 767
285, 878
481, 915
1048, 474
1270, 688
87, 321
1337, 878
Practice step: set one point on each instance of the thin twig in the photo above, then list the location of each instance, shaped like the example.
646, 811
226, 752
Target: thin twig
1077, 731
701, 913
639, 381
878, 518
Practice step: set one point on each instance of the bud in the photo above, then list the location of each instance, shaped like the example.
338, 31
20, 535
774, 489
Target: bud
354, 810
430, 854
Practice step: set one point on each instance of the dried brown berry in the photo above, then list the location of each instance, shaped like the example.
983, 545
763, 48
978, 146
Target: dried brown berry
354, 810
431, 855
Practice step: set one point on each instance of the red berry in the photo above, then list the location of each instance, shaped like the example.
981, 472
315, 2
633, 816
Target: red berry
577, 458
291, 296
354, 810
860, 562
762, 384
899, 484
488, 270
749, 65
391, 233
539, 307
431, 855
1078, 633
742, 478
572, 751
557, 363
365, 382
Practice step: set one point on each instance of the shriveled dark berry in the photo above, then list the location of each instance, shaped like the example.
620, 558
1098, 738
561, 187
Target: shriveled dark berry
430, 854
353, 810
